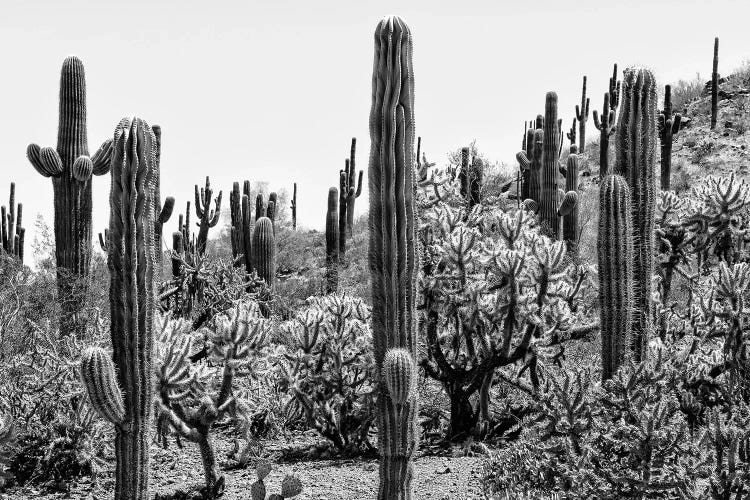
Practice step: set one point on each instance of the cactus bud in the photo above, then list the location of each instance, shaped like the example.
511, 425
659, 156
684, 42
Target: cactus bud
82, 168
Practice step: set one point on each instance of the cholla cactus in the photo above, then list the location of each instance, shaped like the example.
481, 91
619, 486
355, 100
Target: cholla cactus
291, 486
715, 218
184, 404
484, 269
329, 370
207, 216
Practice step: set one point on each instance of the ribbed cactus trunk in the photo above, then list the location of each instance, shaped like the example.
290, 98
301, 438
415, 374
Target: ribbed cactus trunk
132, 299
548, 199
264, 251
71, 168
635, 146
241, 220
332, 241
715, 85
570, 221
526, 172
294, 208
615, 249
162, 212
353, 192
392, 255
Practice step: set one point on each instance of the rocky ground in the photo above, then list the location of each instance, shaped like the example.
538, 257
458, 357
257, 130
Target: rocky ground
177, 473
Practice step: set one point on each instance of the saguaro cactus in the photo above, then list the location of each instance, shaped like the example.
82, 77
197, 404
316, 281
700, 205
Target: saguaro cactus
526, 164
570, 221
11, 232
352, 192
668, 125
392, 256
571, 134
207, 218
548, 199
582, 115
635, 146
332, 241
294, 208
607, 126
122, 391
715, 84
241, 219
163, 212
615, 249
264, 250
71, 169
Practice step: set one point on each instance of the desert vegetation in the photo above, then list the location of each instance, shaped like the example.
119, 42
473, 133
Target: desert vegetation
574, 326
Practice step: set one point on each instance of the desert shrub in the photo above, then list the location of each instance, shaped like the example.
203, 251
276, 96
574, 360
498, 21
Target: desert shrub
328, 369
58, 436
684, 92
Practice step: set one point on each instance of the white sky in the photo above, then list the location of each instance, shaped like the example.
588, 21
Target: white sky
274, 91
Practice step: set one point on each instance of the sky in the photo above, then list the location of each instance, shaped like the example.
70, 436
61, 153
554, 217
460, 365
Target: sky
274, 91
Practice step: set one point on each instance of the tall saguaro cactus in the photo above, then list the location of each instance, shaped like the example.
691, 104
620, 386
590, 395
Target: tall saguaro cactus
570, 221
11, 232
548, 199
635, 147
71, 169
668, 125
606, 125
615, 248
332, 241
122, 391
207, 218
582, 115
715, 85
352, 191
241, 220
392, 255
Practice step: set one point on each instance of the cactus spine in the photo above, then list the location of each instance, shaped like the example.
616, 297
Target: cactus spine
635, 145
264, 251
71, 168
332, 241
207, 217
551, 143
129, 403
392, 255
615, 249
12, 232
582, 115
669, 125
715, 85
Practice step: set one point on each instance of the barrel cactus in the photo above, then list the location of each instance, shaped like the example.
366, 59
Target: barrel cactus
392, 253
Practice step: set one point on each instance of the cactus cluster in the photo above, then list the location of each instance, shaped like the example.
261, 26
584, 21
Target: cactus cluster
11, 231
122, 392
70, 168
392, 252
241, 231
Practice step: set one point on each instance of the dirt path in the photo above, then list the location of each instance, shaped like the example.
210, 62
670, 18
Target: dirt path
436, 478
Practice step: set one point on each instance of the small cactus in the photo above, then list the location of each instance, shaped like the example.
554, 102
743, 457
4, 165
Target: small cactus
207, 217
668, 125
291, 485
11, 231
